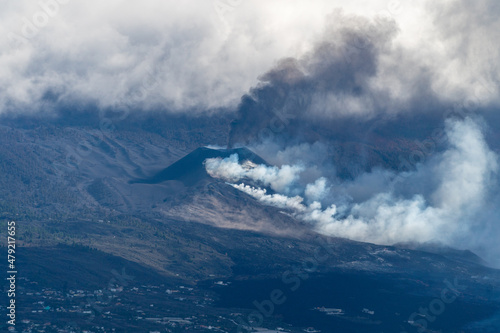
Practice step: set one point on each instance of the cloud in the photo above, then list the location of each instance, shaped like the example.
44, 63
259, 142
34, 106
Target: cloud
277, 200
468, 56
467, 169
157, 54
317, 190
379, 73
197, 56
118, 53
279, 179
450, 198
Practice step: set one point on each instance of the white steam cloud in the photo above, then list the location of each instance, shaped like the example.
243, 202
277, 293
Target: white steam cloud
277, 200
279, 179
317, 190
451, 192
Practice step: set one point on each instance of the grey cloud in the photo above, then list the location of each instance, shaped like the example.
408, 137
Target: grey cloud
198, 56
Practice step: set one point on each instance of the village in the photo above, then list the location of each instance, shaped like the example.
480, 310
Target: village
131, 308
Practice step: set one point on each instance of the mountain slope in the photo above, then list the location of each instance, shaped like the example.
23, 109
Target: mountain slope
152, 206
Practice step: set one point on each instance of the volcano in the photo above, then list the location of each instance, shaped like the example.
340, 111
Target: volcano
191, 194
190, 170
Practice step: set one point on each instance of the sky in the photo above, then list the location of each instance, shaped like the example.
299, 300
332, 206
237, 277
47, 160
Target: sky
197, 56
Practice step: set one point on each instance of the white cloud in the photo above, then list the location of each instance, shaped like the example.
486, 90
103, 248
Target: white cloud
229, 169
317, 190
467, 169
448, 212
206, 54
277, 200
